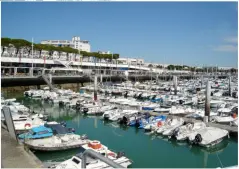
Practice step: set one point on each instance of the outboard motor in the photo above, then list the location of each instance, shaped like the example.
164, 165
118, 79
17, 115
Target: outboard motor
140, 96
85, 110
198, 139
124, 120
120, 154
126, 94
181, 102
137, 123
175, 132
61, 103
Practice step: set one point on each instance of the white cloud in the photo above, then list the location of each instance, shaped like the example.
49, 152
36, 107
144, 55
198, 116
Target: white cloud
231, 39
226, 48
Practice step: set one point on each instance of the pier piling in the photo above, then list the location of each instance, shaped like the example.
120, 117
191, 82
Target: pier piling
229, 86
175, 84
207, 102
95, 88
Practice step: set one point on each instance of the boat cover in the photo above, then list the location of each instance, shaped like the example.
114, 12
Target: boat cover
57, 128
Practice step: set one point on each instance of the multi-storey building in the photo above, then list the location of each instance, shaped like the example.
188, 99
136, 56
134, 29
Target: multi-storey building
75, 43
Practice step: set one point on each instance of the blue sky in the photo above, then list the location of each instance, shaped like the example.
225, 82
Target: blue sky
192, 33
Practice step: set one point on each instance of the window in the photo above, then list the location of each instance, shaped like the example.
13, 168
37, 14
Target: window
75, 161
43, 132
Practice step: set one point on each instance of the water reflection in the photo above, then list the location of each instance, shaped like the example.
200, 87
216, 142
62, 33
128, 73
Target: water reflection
212, 150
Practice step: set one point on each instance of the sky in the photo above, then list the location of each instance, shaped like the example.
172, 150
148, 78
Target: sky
189, 33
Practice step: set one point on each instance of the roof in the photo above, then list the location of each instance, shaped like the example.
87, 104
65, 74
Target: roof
41, 128
57, 128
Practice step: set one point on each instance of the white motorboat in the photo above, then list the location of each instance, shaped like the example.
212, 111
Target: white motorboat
169, 130
222, 118
215, 103
99, 110
207, 137
92, 163
183, 132
168, 124
181, 110
27, 123
118, 114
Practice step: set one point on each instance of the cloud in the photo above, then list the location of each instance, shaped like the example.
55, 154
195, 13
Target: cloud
231, 39
226, 48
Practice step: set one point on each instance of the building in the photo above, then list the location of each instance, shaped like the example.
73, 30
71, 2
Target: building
103, 52
75, 43
131, 61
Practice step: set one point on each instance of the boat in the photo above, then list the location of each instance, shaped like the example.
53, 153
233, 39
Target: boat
24, 123
208, 137
99, 110
37, 132
169, 130
182, 133
169, 124
156, 122
62, 139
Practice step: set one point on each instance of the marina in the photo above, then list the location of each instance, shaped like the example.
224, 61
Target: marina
79, 112
119, 85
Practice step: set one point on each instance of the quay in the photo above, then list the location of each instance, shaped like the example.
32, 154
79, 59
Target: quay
233, 130
14, 155
11, 81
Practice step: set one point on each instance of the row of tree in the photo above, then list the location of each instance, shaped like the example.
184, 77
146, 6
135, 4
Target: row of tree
22, 44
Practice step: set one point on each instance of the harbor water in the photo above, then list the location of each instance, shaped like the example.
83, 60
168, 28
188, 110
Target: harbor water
144, 150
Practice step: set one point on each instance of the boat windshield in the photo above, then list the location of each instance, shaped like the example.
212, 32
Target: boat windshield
32, 132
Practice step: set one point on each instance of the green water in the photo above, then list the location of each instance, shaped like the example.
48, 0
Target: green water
144, 150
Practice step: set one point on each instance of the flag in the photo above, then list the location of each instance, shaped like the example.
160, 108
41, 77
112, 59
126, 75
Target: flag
44, 57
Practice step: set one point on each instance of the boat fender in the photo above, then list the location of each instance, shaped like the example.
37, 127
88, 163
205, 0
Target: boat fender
159, 124
27, 125
198, 138
111, 154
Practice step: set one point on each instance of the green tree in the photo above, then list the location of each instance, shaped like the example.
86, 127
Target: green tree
171, 67
40, 48
20, 44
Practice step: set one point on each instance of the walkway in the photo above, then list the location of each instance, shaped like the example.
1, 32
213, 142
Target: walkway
14, 155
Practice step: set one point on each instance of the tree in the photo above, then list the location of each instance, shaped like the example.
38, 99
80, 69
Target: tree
171, 67
19, 44
159, 66
40, 48
5, 44
50, 49
150, 65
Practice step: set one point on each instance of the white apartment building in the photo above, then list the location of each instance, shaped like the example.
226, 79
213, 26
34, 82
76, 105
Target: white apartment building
75, 43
